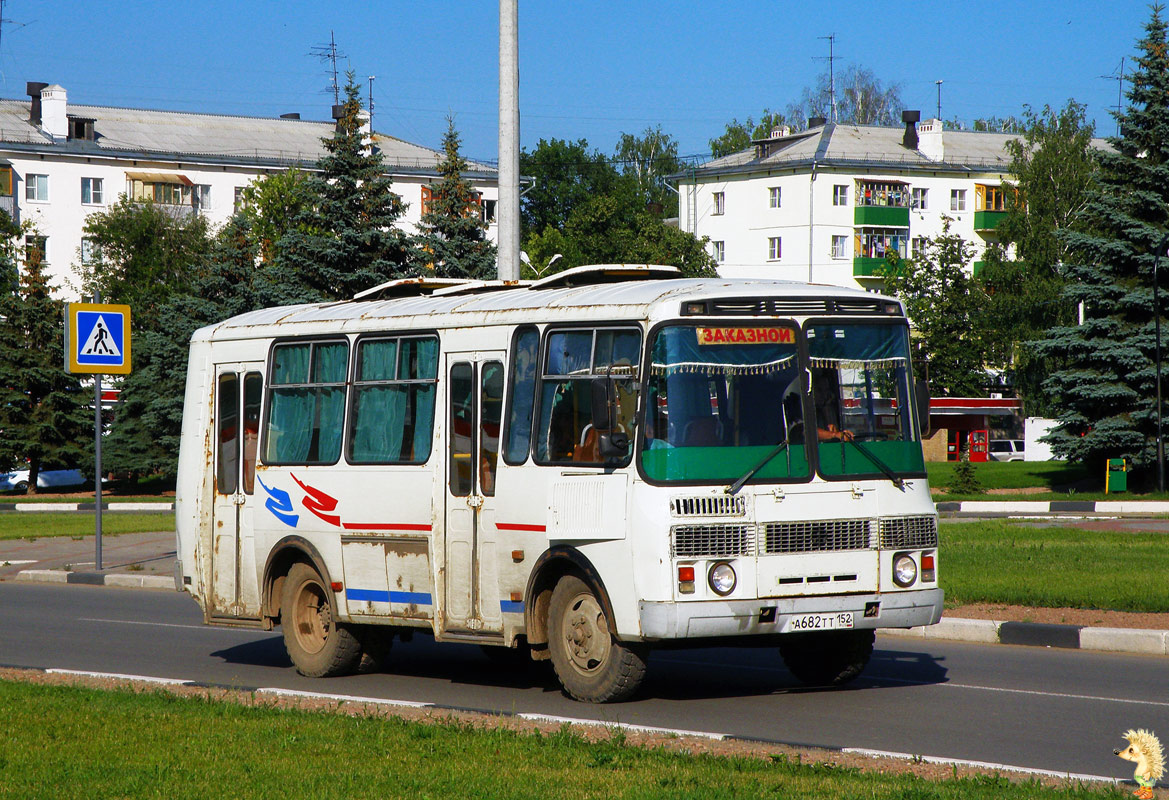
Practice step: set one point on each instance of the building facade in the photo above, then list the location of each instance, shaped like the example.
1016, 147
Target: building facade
826, 204
59, 163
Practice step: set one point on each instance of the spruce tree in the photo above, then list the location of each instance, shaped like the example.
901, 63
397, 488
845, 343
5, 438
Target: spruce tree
1106, 395
45, 414
453, 236
347, 239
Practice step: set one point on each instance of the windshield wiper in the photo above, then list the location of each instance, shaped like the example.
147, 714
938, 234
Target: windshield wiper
881, 465
737, 485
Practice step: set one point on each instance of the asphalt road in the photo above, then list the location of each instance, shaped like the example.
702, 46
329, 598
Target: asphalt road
1050, 709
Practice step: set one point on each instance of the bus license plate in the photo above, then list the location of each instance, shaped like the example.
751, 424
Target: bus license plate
818, 622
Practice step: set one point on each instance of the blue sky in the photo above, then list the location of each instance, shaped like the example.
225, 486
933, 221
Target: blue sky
588, 70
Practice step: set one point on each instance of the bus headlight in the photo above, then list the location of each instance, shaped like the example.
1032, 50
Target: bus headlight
722, 578
904, 570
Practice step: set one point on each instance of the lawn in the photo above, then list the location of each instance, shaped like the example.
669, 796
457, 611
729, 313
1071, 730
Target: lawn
1015, 562
76, 742
37, 524
1058, 480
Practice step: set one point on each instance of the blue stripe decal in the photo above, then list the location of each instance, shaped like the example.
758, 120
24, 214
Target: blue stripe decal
371, 595
511, 607
379, 596
415, 598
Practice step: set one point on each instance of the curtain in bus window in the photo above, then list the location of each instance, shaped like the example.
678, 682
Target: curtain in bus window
290, 363
419, 359
424, 397
379, 416
331, 362
290, 425
377, 360
331, 420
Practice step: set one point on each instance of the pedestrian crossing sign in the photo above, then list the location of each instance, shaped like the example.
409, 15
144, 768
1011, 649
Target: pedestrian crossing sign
97, 338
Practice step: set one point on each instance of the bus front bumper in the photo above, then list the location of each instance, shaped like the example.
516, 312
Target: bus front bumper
714, 618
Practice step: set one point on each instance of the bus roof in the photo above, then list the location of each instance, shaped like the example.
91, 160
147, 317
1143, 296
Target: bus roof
629, 299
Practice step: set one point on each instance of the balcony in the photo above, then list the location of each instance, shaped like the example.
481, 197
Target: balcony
987, 221
884, 216
863, 267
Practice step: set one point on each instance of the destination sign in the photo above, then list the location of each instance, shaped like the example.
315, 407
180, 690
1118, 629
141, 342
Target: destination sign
745, 335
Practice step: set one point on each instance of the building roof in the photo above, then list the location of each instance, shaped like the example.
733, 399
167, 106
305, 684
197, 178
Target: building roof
167, 135
867, 145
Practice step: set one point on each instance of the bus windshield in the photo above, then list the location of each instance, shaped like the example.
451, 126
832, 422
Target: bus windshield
719, 400
862, 396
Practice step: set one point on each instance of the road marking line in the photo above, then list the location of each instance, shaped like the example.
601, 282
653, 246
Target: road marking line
172, 625
952, 685
120, 676
962, 762
7, 563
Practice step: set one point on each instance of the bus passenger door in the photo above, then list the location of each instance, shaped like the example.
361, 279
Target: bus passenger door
474, 410
234, 589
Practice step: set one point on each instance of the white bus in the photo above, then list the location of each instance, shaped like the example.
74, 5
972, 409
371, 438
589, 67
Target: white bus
586, 467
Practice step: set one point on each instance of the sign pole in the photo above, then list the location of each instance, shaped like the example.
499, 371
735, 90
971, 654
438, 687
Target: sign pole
97, 455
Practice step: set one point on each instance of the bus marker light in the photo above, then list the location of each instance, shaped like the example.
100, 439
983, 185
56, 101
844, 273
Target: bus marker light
517, 556
927, 567
685, 574
336, 586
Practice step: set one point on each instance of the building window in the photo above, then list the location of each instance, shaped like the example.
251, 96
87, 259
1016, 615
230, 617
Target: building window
776, 196
840, 247
719, 251
88, 250
840, 195
91, 191
917, 246
774, 248
989, 198
720, 203
201, 196
36, 249
238, 202
170, 193
6, 181
487, 210
957, 199
36, 187
881, 193
919, 199
879, 242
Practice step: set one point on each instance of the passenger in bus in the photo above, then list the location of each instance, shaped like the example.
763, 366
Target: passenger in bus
826, 398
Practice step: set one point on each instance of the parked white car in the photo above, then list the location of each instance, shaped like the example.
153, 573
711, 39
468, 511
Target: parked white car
48, 479
1006, 450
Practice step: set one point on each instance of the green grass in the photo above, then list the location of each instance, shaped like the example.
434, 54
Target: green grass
76, 742
999, 561
12, 497
37, 524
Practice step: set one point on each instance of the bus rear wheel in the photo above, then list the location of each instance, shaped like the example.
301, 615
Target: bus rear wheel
318, 645
591, 664
832, 658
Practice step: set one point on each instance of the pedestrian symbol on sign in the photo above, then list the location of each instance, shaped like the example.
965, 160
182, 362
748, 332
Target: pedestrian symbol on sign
101, 341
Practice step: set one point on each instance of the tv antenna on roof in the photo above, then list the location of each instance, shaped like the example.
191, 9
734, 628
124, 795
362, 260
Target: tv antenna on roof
328, 52
1118, 76
831, 71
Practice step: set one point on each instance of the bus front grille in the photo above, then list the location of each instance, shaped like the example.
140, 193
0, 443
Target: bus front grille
817, 536
909, 532
723, 505
712, 541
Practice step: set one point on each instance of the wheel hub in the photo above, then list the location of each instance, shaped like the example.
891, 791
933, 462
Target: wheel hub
586, 633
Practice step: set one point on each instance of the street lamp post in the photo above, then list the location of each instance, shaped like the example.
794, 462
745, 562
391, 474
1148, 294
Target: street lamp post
1157, 318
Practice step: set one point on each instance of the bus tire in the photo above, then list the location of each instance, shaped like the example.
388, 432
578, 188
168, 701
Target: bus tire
318, 645
832, 658
376, 643
591, 664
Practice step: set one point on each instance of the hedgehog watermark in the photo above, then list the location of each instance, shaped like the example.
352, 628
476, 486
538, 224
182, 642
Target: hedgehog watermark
1144, 749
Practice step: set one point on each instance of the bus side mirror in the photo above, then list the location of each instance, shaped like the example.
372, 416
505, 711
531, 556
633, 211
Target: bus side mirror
921, 396
602, 405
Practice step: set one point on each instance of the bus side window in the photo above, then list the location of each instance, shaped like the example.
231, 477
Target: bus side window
522, 395
306, 403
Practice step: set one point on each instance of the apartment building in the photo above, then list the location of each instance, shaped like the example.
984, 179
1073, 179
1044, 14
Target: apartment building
826, 204
59, 163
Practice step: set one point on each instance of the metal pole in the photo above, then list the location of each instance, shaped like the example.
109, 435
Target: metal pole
1157, 318
509, 142
97, 457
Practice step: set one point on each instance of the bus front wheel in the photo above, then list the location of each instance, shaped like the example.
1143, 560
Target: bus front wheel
318, 645
832, 658
591, 664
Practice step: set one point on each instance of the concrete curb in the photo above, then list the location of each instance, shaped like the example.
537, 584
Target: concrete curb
36, 507
1054, 507
123, 579
1035, 634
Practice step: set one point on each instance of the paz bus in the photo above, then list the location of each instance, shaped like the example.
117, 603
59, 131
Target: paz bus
580, 468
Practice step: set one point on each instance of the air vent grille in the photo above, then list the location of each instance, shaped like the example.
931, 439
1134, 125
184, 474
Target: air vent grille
819, 536
709, 506
712, 541
909, 532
